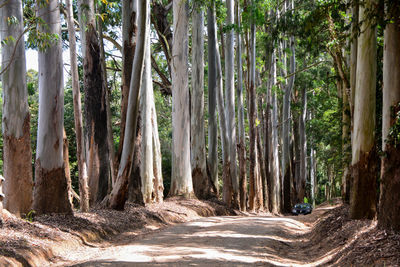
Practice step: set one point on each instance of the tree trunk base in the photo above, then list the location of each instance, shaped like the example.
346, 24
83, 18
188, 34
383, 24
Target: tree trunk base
51, 191
363, 189
389, 207
18, 171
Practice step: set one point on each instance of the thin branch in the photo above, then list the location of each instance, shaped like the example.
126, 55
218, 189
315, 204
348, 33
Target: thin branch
14, 51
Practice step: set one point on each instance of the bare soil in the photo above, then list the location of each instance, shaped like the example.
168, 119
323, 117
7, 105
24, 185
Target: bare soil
176, 233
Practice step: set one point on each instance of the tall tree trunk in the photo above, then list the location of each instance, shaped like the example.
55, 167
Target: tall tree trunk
17, 157
146, 167
201, 182
313, 169
286, 129
95, 105
276, 197
240, 105
301, 185
212, 98
118, 195
227, 190
67, 169
76, 94
255, 192
230, 102
51, 185
389, 204
181, 178
129, 30
158, 179
110, 137
135, 180
364, 155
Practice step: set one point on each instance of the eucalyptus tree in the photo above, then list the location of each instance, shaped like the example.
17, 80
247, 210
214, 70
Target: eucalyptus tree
146, 167
273, 153
230, 101
255, 186
389, 204
95, 104
129, 28
181, 178
17, 155
118, 195
201, 183
80, 141
286, 117
364, 154
301, 183
212, 97
240, 106
51, 185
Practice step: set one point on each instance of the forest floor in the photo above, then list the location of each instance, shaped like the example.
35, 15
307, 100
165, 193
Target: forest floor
199, 233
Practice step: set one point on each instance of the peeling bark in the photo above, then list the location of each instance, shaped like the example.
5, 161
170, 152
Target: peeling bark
51, 191
17, 167
96, 119
17, 155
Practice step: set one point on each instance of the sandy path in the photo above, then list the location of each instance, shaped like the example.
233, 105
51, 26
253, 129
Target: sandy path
213, 241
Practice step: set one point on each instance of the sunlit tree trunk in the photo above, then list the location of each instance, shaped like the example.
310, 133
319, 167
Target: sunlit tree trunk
230, 102
95, 105
158, 185
146, 167
201, 182
51, 185
212, 98
181, 178
17, 155
389, 204
80, 144
364, 155
240, 105
118, 195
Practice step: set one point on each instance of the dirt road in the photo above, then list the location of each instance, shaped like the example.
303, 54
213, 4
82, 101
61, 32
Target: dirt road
213, 241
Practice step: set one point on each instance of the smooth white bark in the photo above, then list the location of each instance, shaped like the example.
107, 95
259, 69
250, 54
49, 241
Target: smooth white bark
391, 77
198, 146
51, 94
181, 178
230, 98
146, 168
364, 106
212, 98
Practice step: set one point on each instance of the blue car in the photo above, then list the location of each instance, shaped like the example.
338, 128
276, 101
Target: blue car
302, 208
